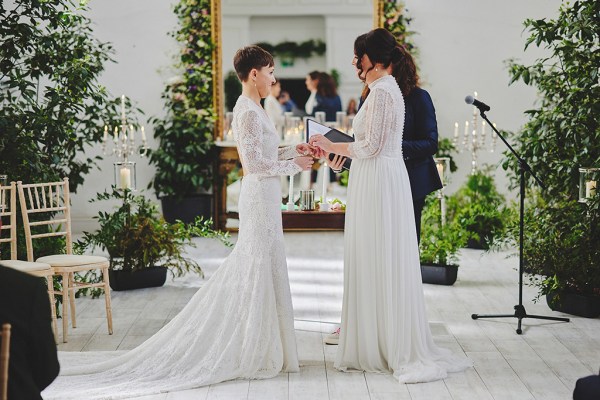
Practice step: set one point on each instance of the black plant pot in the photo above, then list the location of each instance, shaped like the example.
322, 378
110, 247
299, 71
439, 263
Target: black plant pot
439, 274
575, 304
143, 278
187, 209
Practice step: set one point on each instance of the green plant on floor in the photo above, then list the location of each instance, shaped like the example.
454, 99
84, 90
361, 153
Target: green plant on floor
480, 209
136, 236
562, 134
440, 242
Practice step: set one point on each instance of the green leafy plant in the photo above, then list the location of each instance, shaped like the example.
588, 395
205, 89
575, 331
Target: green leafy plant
185, 155
233, 88
136, 236
53, 107
561, 135
480, 209
440, 242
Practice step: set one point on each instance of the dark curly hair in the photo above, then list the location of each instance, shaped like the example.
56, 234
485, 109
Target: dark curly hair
382, 48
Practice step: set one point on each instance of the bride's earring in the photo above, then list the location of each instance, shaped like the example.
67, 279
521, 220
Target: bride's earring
376, 69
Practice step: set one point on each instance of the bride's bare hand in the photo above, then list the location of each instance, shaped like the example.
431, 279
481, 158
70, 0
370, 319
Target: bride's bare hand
304, 162
337, 162
321, 142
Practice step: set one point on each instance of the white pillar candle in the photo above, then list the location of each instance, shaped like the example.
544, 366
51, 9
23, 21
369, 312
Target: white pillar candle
291, 190
105, 133
123, 106
590, 189
116, 135
482, 128
132, 133
325, 181
466, 129
125, 175
456, 129
143, 134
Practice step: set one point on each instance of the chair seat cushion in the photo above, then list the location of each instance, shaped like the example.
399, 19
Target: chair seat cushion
71, 260
25, 266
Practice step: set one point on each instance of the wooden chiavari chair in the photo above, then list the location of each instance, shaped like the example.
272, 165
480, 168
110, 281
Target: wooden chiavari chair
8, 210
53, 199
4, 357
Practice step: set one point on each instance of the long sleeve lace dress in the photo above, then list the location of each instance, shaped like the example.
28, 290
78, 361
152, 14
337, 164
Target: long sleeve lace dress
240, 322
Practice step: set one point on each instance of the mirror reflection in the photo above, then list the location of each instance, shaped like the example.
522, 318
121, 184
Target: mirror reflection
313, 48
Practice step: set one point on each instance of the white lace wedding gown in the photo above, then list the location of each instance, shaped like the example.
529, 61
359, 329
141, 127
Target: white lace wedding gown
384, 323
240, 322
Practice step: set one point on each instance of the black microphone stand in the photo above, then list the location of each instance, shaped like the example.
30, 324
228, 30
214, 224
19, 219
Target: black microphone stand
520, 312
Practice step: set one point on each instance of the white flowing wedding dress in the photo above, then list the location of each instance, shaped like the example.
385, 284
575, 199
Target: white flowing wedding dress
384, 324
240, 322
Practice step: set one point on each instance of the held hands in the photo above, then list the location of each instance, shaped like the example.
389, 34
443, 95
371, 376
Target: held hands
304, 162
308, 150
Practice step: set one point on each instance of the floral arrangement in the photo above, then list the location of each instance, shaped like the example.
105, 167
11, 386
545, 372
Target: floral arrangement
184, 155
395, 20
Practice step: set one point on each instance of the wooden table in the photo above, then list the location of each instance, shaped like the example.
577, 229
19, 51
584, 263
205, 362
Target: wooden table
313, 220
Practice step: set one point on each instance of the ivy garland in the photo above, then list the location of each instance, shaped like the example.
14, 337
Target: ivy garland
288, 51
395, 21
184, 156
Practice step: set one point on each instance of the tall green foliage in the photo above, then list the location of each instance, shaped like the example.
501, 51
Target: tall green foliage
562, 134
395, 20
185, 153
53, 107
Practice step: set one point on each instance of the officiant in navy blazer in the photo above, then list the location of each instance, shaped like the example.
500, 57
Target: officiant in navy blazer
419, 144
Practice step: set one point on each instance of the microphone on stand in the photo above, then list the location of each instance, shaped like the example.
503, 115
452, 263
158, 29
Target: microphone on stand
482, 106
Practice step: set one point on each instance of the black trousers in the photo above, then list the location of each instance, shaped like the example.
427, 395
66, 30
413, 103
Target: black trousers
418, 205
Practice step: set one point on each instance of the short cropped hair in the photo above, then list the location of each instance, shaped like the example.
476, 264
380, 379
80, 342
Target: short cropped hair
250, 57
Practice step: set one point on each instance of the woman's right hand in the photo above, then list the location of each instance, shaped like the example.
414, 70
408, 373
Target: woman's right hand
304, 162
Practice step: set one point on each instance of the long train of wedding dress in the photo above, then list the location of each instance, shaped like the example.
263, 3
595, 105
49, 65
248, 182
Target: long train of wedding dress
384, 323
240, 322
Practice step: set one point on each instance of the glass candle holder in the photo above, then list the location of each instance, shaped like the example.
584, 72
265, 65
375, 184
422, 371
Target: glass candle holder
588, 183
443, 166
125, 175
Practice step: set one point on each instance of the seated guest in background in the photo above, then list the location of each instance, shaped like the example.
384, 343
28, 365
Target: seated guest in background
311, 82
327, 97
587, 388
351, 109
273, 107
33, 362
289, 105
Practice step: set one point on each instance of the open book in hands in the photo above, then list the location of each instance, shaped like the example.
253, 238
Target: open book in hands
315, 128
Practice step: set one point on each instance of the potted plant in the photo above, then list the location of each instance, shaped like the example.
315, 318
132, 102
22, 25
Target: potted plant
440, 243
184, 159
561, 247
480, 209
562, 254
141, 245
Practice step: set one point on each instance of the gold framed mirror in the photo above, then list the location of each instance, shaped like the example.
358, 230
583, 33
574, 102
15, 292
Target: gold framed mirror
227, 159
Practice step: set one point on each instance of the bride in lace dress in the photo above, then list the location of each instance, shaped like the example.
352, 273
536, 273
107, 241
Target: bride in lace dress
240, 323
384, 324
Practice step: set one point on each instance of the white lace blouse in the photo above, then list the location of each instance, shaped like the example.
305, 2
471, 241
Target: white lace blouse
379, 124
258, 142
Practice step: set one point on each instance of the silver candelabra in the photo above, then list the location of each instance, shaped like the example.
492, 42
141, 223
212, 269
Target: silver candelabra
473, 140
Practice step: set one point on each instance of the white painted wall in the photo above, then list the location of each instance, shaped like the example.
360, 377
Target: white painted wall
463, 45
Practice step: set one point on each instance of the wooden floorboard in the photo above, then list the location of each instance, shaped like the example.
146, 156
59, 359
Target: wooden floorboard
543, 363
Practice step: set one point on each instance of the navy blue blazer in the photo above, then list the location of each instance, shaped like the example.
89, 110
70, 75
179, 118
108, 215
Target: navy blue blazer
587, 388
328, 104
420, 143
